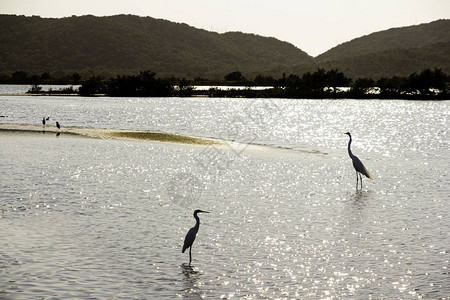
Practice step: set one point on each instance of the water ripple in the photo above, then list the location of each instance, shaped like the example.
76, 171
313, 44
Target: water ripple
91, 218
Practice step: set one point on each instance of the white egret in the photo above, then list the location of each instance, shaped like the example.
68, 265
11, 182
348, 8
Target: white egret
357, 164
192, 233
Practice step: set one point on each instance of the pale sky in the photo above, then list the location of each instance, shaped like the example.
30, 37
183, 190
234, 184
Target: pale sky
314, 26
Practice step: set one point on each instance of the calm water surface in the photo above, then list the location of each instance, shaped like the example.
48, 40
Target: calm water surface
91, 218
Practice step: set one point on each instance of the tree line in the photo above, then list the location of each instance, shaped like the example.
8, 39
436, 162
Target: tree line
429, 84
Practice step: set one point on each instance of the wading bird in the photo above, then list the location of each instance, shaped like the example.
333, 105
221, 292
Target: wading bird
57, 125
43, 121
192, 233
357, 164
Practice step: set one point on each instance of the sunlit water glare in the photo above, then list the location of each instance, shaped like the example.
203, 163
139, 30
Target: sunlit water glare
93, 218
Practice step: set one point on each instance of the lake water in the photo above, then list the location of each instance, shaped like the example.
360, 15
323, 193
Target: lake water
106, 218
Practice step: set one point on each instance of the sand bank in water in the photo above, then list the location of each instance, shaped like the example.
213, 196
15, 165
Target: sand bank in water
112, 134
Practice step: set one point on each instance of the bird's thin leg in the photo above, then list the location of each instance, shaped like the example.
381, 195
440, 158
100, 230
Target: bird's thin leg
356, 180
190, 256
360, 179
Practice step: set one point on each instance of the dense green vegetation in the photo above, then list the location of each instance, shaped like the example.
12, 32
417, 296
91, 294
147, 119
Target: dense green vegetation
67, 50
400, 62
143, 85
410, 37
393, 52
125, 44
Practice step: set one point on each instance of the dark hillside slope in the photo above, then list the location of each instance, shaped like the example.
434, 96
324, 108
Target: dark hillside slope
125, 44
392, 39
398, 62
394, 52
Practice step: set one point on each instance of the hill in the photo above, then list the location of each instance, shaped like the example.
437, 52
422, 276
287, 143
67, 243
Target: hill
126, 44
398, 62
397, 51
391, 39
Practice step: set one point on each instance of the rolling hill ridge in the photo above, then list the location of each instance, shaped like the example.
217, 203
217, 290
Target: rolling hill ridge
396, 38
397, 51
126, 44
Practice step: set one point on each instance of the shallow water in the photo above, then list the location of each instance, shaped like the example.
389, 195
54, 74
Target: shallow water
102, 218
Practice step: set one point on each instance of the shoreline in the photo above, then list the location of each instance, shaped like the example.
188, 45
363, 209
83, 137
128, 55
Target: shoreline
256, 95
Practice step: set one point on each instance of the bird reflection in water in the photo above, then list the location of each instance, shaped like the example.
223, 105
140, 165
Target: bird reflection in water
359, 199
191, 282
354, 212
188, 270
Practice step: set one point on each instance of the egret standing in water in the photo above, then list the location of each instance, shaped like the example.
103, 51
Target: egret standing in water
357, 164
192, 233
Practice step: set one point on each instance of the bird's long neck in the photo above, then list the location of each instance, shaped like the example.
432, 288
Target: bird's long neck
349, 150
197, 224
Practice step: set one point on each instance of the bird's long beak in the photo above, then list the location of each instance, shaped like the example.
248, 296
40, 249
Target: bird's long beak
202, 211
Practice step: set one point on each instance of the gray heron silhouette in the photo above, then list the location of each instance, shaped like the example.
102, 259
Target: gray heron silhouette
57, 125
192, 233
43, 121
357, 164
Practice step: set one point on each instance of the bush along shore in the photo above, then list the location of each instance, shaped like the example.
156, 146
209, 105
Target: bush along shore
429, 84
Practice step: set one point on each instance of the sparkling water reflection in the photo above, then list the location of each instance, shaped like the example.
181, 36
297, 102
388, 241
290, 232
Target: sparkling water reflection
89, 218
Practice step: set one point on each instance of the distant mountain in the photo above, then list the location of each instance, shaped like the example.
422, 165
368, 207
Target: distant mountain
397, 51
126, 44
391, 39
398, 62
